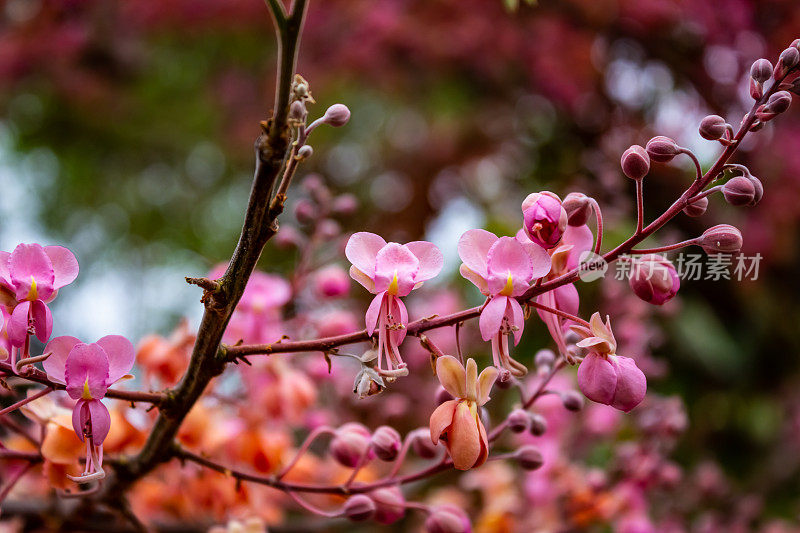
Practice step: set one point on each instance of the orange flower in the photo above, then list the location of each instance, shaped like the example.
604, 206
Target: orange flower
456, 422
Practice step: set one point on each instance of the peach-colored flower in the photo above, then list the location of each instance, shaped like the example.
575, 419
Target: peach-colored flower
457, 421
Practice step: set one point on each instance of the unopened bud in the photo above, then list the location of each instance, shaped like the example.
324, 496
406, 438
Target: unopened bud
350, 443
578, 208
796, 43
345, 204
447, 519
297, 111
721, 239
654, 279
662, 149
304, 152
713, 127
423, 446
697, 208
519, 420
538, 424
544, 218
761, 70
739, 191
544, 358
359, 508
759, 188
287, 238
635, 162
788, 60
386, 443
390, 505
331, 282
572, 400
329, 229
304, 211
779, 102
337, 115
529, 457
756, 89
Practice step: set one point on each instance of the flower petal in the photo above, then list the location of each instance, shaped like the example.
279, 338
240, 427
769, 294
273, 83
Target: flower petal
463, 439
452, 376
516, 318
441, 418
631, 384
540, 259
365, 281
101, 421
17, 326
65, 266
485, 382
42, 320
86, 372
475, 278
472, 380
361, 250
430, 259
5, 275
29, 263
492, 317
395, 269
597, 378
508, 258
373, 312
399, 314
473, 249
581, 239
120, 353
56, 364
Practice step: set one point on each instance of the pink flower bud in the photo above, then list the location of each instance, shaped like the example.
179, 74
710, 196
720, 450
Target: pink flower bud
538, 424
612, 380
759, 188
721, 239
662, 149
529, 457
424, 447
761, 70
788, 59
447, 519
336, 322
756, 89
654, 279
796, 43
305, 152
337, 115
332, 282
697, 208
779, 102
519, 421
578, 208
544, 218
635, 162
544, 358
345, 204
297, 111
328, 229
572, 400
390, 505
713, 127
386, 443
304, 211
739, 191
359, 508
287, 238
350, 443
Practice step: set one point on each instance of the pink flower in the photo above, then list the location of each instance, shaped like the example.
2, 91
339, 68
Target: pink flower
654, 279
30, 278
457, 422
502, 268
331, 282
545, 220
603, 376
257, 318
390, 271
88, 370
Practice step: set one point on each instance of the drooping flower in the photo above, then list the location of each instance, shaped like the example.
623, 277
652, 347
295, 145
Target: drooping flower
457, 422
30, 278
88, 370
502, 268
545, 220
390, 271
565, 257
257, 318
604, 376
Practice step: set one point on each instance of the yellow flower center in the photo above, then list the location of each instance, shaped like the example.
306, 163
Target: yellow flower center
87, 394
393, 286
33, 293
509, 288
